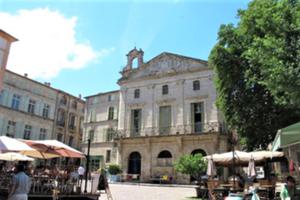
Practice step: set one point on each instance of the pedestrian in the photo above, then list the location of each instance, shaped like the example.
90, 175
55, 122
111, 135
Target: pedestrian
81, 171
21, 184
288, 191
102, 184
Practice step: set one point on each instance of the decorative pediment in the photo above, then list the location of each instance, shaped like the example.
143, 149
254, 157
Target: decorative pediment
165, 64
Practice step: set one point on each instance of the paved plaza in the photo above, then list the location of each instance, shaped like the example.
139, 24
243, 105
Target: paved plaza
149, 192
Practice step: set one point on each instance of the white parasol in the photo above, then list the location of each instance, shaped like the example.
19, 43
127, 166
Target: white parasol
13, 156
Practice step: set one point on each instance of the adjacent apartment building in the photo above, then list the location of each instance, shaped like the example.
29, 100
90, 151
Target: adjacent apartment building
166, 108
37, 111
5, 42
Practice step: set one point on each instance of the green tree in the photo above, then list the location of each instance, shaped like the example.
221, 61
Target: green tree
257, 70
193, 165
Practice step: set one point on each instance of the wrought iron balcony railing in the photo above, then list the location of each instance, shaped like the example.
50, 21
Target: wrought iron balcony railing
108, 135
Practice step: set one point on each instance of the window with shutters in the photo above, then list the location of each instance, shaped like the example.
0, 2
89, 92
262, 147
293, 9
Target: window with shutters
111, 111
27, 132
164, 120
15, 104
11, 129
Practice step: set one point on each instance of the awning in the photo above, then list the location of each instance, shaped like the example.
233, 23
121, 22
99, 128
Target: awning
287, 136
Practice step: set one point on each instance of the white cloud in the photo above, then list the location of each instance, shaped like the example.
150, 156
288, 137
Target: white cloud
47, 43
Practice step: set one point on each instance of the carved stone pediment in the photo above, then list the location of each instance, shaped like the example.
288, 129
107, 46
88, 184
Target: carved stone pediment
197, 98
165, 64
137, 105
164, 102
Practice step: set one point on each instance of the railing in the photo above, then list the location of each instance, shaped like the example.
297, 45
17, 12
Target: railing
197, 128
108, 135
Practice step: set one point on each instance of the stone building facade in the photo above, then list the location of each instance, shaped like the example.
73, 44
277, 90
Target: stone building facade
69, 114
5, 42
166, 109
26, 108
31, 110
101, 123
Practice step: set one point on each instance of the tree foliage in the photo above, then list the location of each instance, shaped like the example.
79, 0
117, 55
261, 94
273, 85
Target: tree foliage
193, 165
257, 70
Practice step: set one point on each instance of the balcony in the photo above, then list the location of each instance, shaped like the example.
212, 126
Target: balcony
198, 128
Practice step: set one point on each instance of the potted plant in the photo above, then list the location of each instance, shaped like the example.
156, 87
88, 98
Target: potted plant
193, 165
113, 171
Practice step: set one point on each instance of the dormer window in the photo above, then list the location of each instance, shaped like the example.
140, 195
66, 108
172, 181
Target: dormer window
196, 85
165, 89
137, 93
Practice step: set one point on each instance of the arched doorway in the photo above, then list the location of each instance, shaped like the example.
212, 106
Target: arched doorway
199, 151
134, 163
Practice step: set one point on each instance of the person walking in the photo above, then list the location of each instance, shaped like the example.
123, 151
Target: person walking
80, 171
21, 184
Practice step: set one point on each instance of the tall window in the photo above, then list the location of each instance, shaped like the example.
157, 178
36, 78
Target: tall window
196, 85
15, 104
136, 119
61, 117
46, 110
109, 134
31, 106
27, 132
72, 120
110, 113
165, 89
71, 141
164, 120
43, 133
109, 97
60, 137
197, 117
91, 135
108, 154
1, 96
137, 93
11, 129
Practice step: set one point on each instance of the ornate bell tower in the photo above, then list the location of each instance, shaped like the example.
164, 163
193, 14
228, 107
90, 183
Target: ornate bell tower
133, 54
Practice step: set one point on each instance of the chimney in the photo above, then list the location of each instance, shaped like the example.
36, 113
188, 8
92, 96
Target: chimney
79, 96
26, 75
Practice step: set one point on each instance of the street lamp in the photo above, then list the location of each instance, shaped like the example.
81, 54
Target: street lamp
87, 163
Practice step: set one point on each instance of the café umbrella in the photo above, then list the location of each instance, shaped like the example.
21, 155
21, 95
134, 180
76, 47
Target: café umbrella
211, 169
8, 144
54, 147
13, 156
251, 168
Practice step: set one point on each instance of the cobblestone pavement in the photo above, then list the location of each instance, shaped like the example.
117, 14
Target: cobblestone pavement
147, 192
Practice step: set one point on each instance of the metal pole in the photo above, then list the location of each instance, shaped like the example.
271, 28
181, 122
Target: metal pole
87, 165
233, 166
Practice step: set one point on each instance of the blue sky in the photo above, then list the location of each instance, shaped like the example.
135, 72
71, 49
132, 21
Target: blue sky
99, 34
